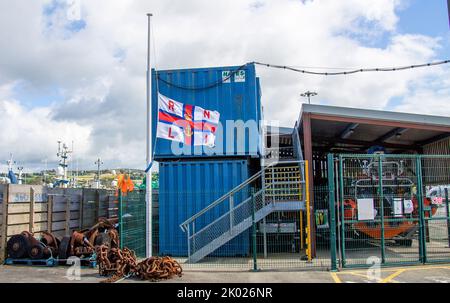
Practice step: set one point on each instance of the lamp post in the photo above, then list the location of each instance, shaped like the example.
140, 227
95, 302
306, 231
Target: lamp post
308, 95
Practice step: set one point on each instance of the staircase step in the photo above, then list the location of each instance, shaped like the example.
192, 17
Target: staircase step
229, 235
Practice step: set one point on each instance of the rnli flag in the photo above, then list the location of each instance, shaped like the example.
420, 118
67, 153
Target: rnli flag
189, 124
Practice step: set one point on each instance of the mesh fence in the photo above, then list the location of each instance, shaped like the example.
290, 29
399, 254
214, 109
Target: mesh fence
261, 225
392, 209
132, 221
436, 210
384, 212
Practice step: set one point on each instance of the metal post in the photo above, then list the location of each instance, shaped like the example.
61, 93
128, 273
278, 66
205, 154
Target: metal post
332, 205
263, 181
148, 185
264, 237
447, 212
193, 236
381, 199
308, 215
301, 231
121, 229
422, 248
300, 197
189, 242
255, 265
231, 213
341, 189
338, 205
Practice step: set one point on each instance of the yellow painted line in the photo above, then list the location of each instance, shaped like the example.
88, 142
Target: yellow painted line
335, 277
406, 268
392, 276
428, 267
365, 276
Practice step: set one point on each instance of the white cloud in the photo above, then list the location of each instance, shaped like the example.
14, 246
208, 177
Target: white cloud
31, 135
99, 68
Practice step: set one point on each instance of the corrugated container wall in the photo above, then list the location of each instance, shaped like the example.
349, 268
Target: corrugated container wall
235, 97
187, 187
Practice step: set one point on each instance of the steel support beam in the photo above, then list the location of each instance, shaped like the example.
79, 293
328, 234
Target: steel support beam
307, 143
348, 130
390, 134
367, 143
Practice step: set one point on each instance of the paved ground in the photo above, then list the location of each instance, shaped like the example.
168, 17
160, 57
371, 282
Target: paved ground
407, 274
410, 274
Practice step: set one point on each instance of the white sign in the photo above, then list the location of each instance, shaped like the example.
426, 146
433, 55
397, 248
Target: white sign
365, 209
398, 207
408, 206
226, 76
239, 76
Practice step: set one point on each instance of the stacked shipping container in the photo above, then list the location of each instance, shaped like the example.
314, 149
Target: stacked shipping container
203, 174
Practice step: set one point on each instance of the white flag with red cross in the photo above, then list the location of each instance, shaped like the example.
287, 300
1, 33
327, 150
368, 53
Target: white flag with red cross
189, 124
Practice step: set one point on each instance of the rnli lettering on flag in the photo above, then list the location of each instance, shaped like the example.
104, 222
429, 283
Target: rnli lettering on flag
189, 124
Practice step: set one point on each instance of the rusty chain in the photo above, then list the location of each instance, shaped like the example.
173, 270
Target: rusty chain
119, 264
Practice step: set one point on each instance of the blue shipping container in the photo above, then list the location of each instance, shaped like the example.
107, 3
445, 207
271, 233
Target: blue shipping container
232, 91
187, 187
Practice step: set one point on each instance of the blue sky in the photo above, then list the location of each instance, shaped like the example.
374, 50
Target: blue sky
427, 17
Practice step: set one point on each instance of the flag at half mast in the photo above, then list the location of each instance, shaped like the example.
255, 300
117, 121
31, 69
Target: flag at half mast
189, 124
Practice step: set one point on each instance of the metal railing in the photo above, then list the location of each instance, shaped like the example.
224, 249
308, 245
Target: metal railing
230, 215
229, 195
296, 142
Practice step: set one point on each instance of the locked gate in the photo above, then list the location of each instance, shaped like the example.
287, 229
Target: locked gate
384, 211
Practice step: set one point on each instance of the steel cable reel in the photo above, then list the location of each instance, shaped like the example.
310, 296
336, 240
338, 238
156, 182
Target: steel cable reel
17, 246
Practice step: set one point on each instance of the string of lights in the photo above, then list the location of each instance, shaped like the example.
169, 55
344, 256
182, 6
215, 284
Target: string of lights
214, 84
353, 71
305, 71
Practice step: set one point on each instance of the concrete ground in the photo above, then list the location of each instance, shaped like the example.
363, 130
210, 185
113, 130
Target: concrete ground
409, 274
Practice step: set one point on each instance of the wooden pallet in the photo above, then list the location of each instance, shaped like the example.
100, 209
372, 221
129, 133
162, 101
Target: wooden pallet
30, 262
89, 262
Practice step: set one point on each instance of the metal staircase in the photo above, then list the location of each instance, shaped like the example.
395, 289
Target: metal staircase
279, 186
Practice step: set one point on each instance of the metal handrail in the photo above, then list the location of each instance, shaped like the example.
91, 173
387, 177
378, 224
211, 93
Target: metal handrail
230, 193
224, 197
297, 145
225, 214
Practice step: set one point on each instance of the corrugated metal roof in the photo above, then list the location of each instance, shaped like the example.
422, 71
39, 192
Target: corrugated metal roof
350, 112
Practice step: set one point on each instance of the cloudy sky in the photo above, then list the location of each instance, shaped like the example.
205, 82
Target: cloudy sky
75, 70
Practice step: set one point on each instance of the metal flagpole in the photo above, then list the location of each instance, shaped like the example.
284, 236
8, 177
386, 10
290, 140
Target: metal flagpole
148, 185
448, 8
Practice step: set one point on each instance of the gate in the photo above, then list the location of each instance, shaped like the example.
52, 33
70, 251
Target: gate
383, 212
